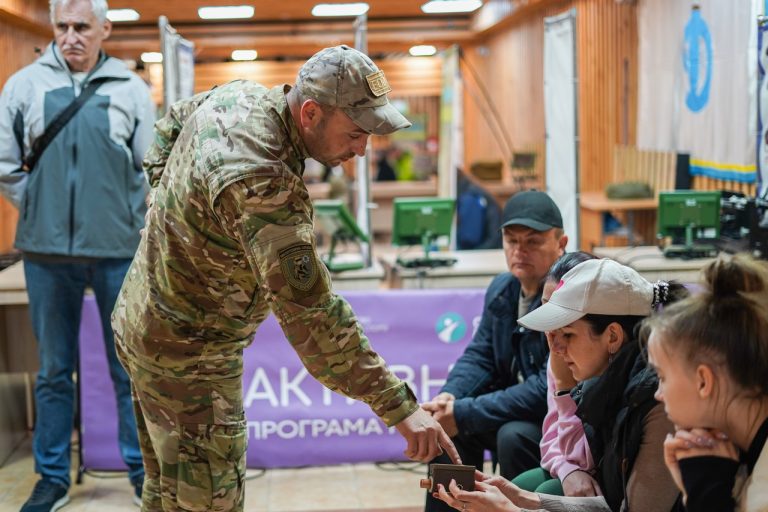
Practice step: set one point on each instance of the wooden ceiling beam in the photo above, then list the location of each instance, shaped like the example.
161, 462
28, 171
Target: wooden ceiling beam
198, 30
290, 40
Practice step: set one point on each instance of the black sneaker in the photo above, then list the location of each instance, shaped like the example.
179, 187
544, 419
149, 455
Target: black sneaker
47, 496
137, 486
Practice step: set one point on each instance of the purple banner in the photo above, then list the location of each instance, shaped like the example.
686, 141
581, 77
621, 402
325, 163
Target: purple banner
292, 419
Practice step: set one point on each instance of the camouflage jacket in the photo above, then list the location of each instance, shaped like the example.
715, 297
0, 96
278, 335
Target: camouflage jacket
229, 238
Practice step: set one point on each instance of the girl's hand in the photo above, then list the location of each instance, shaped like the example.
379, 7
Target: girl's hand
581, 483
485, 498
696, 442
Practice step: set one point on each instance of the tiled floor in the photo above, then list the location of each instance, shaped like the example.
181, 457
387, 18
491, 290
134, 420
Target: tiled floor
363, 487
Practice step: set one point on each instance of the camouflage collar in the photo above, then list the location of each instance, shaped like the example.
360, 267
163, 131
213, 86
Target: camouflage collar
277, 94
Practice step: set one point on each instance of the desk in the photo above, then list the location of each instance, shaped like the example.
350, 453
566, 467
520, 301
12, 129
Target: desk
383, 193
473, 269
371, 278
652, 265
594, 204
18, 358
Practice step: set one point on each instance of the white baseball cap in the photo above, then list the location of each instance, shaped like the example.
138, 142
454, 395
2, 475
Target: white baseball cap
600, 287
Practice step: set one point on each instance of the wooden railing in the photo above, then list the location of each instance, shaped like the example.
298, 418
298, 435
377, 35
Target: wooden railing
657, 168
706, 183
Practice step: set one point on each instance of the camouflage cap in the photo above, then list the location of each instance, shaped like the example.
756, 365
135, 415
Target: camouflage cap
343, 77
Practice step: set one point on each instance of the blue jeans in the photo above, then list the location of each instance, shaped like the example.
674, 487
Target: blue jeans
55, 303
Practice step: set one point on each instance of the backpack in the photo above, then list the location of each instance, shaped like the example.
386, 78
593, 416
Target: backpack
471, 207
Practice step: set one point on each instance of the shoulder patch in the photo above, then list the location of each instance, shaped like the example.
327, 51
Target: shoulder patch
299, 266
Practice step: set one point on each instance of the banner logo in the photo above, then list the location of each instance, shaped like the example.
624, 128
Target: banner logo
450, 327
697, 33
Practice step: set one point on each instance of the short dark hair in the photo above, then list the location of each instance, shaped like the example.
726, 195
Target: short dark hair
301, 98
566, 262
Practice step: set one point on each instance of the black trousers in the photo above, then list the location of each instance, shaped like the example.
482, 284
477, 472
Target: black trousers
515, 447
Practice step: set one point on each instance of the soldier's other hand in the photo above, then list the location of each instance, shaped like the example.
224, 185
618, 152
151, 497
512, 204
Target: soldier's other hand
425, 438
439, 403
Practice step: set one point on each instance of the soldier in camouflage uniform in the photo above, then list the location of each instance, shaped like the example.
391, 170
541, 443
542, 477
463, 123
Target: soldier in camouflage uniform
229, 239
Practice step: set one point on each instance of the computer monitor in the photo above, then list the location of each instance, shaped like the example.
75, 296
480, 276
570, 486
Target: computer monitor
421, 220
692, 219
334, 218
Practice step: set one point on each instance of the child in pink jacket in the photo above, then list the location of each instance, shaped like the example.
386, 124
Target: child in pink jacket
566, 461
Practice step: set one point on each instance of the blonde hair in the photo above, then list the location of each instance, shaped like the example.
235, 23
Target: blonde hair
726, 324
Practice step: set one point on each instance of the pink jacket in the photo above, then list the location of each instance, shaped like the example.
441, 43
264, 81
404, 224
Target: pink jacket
564, 447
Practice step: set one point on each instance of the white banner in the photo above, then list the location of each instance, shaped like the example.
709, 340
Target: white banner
762, 136
560, 119
698, 83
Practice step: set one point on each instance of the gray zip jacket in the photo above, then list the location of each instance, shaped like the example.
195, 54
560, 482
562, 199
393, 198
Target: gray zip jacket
85, 196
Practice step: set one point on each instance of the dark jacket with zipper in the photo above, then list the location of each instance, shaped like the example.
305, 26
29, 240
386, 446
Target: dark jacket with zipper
85, 197
501, 376
613, 407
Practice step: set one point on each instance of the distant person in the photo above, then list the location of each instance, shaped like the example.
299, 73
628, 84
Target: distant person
81, 206
384, 169
229, 240
478, 216
404, 165
495, 396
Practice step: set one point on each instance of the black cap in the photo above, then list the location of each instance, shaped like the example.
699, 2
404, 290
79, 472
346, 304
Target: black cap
532, 209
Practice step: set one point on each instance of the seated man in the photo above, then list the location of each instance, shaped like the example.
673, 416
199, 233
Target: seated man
495, 395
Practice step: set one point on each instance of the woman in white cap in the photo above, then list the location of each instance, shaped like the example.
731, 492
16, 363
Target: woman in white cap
566, 461
711, 355
592, 318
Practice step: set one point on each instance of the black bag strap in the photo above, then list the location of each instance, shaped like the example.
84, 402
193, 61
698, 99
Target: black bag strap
58, 123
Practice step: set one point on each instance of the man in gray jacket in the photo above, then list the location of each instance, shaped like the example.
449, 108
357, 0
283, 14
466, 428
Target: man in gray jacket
81, 207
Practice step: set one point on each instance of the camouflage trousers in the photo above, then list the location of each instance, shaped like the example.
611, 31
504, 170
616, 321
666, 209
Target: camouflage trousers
193, 439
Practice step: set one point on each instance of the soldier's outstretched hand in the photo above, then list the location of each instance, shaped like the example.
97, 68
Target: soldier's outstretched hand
426, 438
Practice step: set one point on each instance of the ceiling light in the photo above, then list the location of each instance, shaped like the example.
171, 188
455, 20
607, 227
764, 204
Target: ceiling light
225, 12
151, 57
244, 55
422, 50
354, 9
122, 15
446, 6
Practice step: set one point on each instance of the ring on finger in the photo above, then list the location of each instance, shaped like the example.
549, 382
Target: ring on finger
464, 506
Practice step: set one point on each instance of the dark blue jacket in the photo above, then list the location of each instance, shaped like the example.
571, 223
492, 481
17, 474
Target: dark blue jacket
501, 376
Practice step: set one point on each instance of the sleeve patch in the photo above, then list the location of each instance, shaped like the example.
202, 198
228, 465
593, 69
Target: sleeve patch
299, 266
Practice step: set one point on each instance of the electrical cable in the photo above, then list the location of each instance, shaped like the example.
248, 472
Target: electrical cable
411, 467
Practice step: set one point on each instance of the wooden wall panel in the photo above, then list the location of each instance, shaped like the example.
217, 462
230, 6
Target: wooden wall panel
510, 64
17, 46
34, 10
606, 39
509, 67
